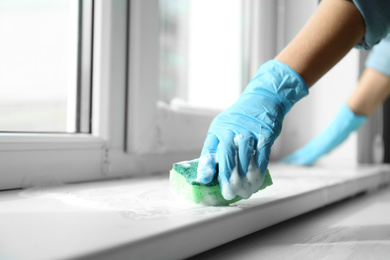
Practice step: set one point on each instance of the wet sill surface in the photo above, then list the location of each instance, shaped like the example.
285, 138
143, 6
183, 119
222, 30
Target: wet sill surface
141, 219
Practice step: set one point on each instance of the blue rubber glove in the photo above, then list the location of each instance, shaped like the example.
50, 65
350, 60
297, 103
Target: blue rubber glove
344, 123
240, 138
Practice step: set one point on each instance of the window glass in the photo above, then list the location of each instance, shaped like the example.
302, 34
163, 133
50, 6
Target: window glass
38, 65
200, 52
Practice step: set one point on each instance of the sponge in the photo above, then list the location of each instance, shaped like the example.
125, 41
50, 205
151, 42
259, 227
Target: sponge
182, 180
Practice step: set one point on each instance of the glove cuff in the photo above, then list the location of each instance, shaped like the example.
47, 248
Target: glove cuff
279, 79
346, 119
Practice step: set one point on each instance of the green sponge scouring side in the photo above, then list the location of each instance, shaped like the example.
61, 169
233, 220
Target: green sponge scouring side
182, 180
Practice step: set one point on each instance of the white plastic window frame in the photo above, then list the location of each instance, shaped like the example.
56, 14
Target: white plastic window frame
166, 134
131, 133
37, 159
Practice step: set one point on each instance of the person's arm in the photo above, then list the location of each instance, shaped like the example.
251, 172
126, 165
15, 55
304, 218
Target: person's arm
240, 138
374, 84
373, 89
335, 28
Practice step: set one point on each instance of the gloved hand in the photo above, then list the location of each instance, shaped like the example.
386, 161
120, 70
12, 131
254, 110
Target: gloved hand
240, 138
344, 123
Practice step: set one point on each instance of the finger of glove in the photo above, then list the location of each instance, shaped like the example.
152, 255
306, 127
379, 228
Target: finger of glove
227, 157
300, 157
245, 143
210, 145
307, 155
208, 160
294, 158
291, 159
263, 152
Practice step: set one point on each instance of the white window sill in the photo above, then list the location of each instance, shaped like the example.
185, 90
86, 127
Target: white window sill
139, 218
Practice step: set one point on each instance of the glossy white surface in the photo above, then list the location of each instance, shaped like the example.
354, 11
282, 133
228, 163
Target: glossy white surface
140, 218
356, 228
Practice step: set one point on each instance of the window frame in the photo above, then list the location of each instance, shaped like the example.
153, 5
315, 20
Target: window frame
123, 141
40, 158
166, 130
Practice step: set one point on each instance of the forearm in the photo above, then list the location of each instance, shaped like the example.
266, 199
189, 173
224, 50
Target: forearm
335, 28
372, 90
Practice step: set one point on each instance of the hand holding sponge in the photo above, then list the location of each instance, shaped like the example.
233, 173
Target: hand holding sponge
183, 182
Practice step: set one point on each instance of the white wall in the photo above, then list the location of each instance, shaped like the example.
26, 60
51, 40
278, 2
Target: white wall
309, 116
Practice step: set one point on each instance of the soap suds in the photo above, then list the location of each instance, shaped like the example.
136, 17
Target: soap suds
134, 199
243, 186
187, 163
206, 167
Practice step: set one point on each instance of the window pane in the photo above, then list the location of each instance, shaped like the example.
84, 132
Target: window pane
200, 52
38, 65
